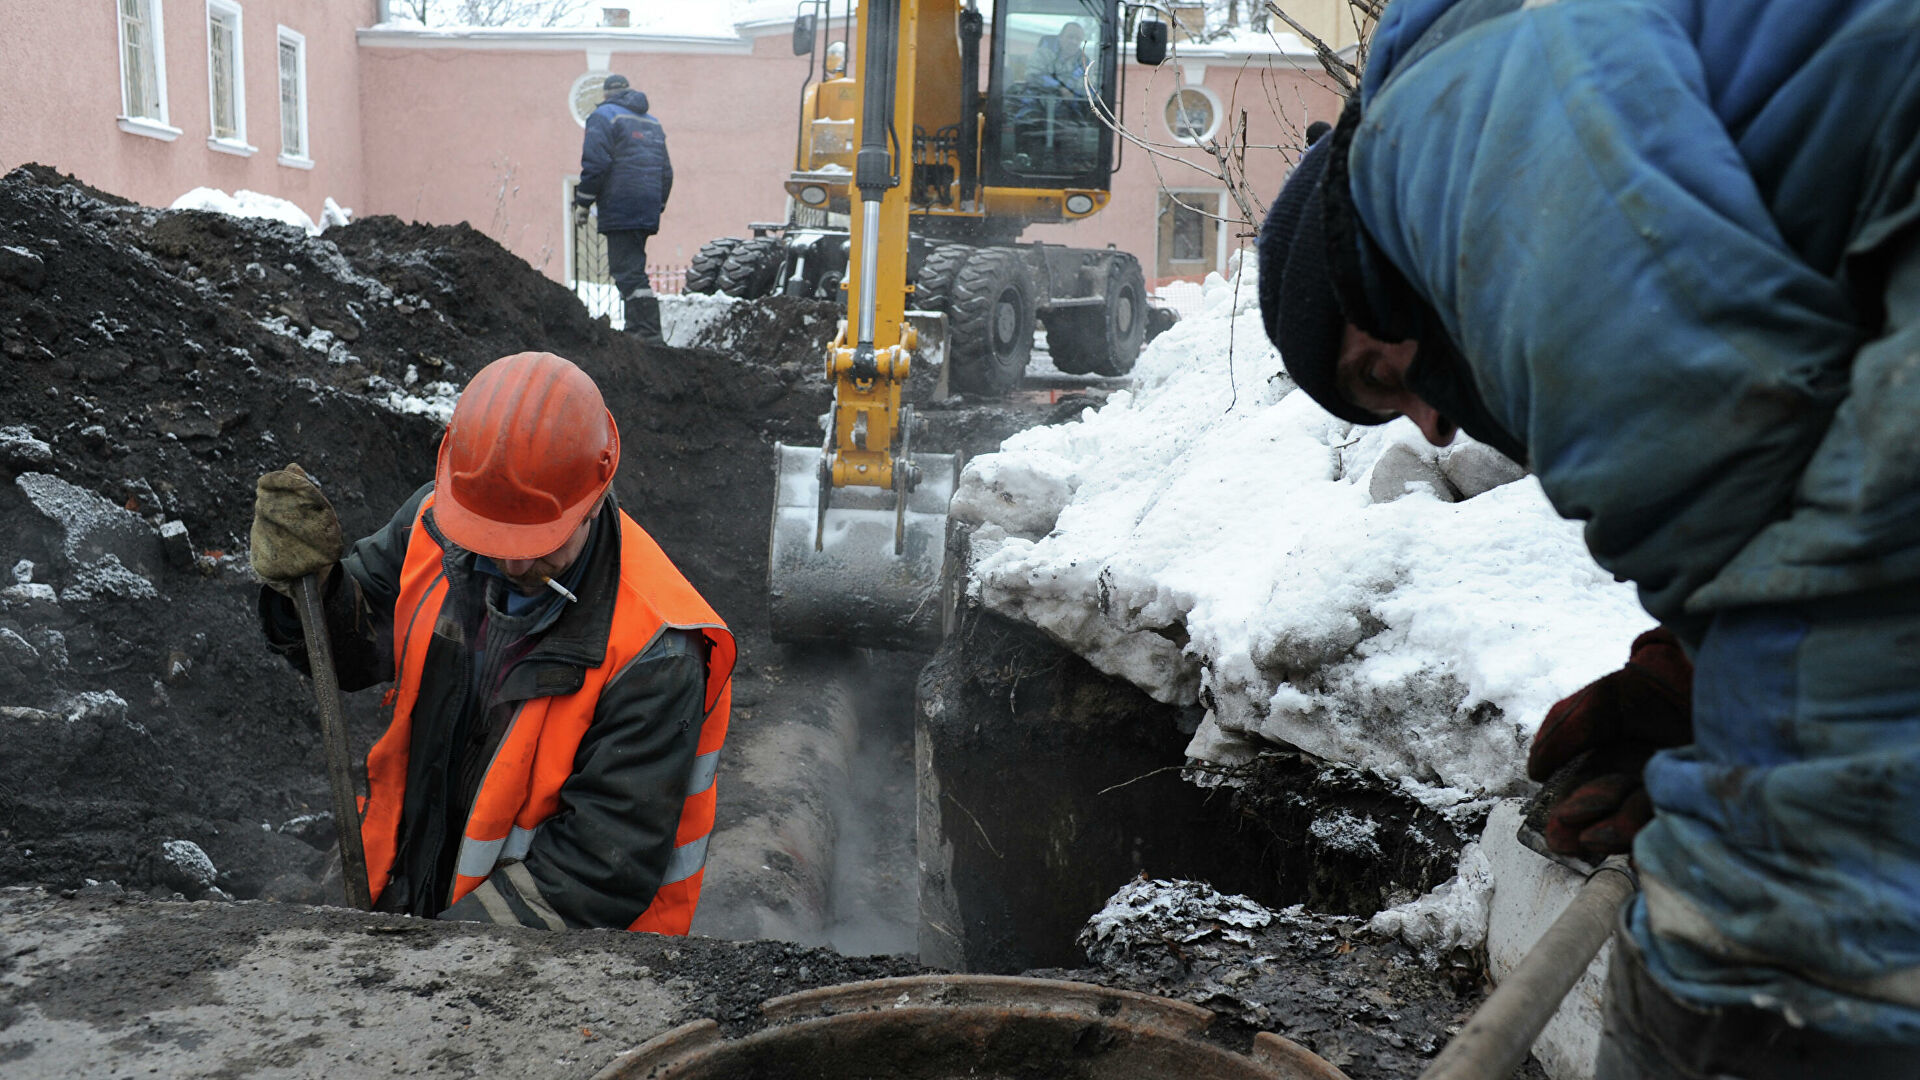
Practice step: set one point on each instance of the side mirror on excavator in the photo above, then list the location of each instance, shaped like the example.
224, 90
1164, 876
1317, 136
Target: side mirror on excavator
803, 31
1150, 43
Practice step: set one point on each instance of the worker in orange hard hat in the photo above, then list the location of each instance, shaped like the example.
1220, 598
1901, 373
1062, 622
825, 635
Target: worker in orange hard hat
560, 691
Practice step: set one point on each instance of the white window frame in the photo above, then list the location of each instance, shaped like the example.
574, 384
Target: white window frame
153, 127
287, 36
1213, 126
227, 10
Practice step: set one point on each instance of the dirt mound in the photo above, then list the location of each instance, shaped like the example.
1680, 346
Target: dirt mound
787, 326
156, 363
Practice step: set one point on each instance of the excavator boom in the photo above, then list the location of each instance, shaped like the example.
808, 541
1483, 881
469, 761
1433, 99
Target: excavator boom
858, 540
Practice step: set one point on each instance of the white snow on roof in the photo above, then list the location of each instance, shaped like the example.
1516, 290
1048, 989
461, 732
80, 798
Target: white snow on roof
1216, 541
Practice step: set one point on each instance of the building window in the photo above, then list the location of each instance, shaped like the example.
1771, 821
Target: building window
226, 79
143, 70
1192, 114
1190, 235
1188, 243
293, 100
586, 95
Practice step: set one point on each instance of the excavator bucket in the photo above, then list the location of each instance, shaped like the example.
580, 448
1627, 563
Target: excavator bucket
864, 569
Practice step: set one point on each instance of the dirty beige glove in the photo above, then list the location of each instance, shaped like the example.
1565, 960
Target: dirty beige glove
295, 531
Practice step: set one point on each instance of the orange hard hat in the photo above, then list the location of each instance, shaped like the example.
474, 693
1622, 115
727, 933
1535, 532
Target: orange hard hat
527, 456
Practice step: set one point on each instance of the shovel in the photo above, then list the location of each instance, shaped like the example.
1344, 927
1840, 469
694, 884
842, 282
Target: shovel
333, 737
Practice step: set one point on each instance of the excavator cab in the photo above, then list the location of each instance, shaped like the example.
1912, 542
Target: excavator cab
1052, 65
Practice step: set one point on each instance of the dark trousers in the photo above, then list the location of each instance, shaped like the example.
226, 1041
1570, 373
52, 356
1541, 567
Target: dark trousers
1649, 1034
627, 261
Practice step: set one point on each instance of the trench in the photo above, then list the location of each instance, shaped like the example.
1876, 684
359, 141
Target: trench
973, 808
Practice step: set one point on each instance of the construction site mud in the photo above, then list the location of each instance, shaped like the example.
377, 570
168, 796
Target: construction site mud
154, 364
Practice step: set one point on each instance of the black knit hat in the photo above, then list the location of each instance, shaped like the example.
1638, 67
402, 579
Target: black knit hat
615, 82
1297, 299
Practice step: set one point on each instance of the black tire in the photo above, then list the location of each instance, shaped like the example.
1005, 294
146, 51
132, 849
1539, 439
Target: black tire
751, 267
934, 290
990, 323
703, 274
1103, 340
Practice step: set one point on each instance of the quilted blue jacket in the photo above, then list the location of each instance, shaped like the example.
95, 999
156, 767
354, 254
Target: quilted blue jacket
624, 165
1728, 171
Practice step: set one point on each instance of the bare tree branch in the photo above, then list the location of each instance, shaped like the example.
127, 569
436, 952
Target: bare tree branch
1339, 70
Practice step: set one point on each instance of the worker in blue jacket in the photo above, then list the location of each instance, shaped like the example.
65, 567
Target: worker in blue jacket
1667, 253
625, 171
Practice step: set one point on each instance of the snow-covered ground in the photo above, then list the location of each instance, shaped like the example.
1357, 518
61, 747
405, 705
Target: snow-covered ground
1213, 536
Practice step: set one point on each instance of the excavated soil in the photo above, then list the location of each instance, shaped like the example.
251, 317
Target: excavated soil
156, 363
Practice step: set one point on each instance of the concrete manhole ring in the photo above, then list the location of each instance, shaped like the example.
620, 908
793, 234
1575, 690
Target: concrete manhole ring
932, 1027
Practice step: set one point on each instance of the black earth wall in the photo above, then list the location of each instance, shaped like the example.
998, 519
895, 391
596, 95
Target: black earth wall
163, 360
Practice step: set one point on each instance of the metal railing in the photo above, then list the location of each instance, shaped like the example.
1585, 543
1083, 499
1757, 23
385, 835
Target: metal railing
593, 281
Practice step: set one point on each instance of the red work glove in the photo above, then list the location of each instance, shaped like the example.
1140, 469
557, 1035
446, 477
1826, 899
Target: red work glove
1623, 718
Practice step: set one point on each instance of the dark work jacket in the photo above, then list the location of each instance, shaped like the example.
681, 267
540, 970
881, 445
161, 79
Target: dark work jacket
624, 167
631, 766
1656, 229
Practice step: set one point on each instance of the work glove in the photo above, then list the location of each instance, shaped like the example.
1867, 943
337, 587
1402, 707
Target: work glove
295, 531
1618, 721
580, 212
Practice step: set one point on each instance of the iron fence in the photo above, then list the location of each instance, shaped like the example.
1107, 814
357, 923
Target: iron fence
593, 281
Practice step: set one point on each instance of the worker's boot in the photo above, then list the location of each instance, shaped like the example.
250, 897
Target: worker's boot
643, 317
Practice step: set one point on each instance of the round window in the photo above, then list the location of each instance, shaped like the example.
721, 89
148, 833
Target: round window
586, 95
1192, 115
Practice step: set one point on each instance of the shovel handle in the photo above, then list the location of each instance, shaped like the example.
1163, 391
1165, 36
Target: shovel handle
333, 738
1501, 1031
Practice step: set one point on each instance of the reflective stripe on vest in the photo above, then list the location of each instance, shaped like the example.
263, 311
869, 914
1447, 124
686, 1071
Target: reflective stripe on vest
521, 787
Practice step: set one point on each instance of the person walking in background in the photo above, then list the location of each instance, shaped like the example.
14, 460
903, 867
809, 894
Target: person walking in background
626, 173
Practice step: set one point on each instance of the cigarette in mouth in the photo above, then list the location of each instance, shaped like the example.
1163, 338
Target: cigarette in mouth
562, 590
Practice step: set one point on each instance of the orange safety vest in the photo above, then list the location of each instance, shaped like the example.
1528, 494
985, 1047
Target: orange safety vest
522, 785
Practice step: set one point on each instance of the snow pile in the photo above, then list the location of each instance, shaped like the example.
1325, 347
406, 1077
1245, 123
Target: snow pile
1155, 914
686, 318
190, 861
18, 446
434, 400
1452, 918
1212, 536
252, 204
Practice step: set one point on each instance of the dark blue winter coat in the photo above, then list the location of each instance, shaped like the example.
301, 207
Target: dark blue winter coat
1665, 237
624, 166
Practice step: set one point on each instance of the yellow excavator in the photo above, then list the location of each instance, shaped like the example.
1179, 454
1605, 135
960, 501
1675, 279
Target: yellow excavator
936, 181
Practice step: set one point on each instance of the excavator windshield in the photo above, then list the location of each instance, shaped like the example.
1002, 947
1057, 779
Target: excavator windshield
1052, 62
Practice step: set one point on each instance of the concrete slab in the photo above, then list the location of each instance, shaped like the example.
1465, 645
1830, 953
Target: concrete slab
104, 984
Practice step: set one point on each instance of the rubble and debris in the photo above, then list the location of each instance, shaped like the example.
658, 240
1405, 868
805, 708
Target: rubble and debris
1358, 998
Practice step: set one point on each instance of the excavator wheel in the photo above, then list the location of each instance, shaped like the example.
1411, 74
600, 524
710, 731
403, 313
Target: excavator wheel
1102, 340
934, 290
752, 266
703, 274
990, 323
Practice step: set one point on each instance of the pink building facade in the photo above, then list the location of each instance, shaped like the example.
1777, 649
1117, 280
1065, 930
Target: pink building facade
305, 99
148, 99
